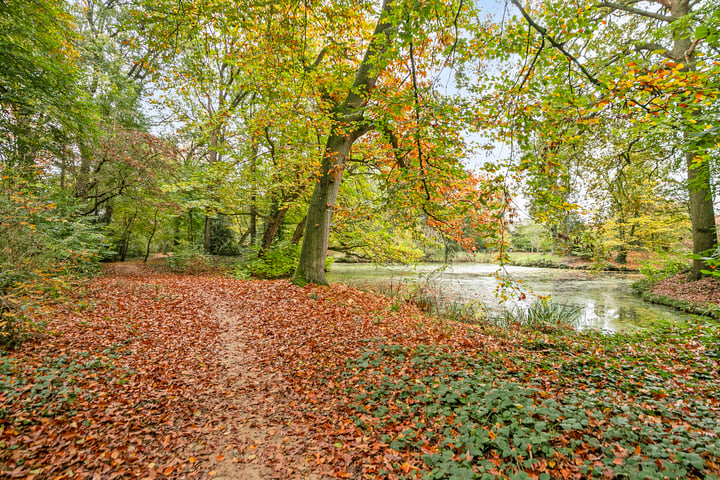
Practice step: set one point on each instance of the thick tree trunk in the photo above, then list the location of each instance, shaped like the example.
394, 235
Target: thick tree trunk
311, 266
347, 127
702, 213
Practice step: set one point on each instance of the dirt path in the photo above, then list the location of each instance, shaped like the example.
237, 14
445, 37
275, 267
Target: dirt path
164, 382
260, 432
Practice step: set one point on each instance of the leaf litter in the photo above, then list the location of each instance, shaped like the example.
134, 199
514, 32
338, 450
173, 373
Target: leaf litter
151, 375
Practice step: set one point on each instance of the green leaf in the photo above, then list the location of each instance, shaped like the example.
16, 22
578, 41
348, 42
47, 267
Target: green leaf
701, 32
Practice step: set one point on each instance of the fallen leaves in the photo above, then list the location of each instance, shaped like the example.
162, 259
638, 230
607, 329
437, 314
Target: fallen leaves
195, 377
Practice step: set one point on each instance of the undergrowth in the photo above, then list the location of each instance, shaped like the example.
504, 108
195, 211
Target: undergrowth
594, 407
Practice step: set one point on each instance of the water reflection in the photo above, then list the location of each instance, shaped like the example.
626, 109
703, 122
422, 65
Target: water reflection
605, 299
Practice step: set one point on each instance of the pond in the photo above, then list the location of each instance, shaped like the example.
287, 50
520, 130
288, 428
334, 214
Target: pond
605, 300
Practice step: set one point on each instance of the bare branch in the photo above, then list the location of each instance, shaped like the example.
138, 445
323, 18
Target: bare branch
652, 47
637, 11
691, 49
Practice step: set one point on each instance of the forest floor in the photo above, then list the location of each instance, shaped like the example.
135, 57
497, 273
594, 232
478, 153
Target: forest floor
152, 375
704, 292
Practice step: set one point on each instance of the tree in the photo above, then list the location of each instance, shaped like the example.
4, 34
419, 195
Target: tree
347, 127
42, 109
591, 60
416, 140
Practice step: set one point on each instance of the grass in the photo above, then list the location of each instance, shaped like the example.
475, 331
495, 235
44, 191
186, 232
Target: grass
544, 316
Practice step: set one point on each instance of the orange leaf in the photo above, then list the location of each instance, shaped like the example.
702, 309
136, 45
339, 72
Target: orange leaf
220, 458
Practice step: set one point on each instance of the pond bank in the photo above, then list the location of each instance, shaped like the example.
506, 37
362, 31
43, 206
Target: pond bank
526, 259
701, 297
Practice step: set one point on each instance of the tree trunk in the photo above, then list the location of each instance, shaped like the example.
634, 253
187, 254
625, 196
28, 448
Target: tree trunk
107, 214
152, 234
311, 266
299, 230
253, 196
702, 213
207, 234
347, 127
275, 220
622, 253
252, 231
214, 158
125, 238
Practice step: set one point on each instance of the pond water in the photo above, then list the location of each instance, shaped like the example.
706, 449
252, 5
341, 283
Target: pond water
605, 300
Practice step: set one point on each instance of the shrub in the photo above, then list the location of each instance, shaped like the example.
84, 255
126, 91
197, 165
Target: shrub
667, 265
278, 262
190, 259
45, 248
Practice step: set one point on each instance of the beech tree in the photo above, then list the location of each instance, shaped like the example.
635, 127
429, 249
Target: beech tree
347, 127
394, 103
640, 64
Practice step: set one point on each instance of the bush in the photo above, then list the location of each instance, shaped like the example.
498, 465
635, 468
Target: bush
667, 265
45, 248
278, 262
190, 259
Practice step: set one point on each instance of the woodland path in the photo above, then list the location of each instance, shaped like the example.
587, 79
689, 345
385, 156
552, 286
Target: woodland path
181, 384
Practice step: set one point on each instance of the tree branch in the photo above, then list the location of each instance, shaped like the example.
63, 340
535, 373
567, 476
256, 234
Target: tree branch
652, 47
532, 65
543, 31
399, 153
691, 49
637, 11
665, 3
316, 63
